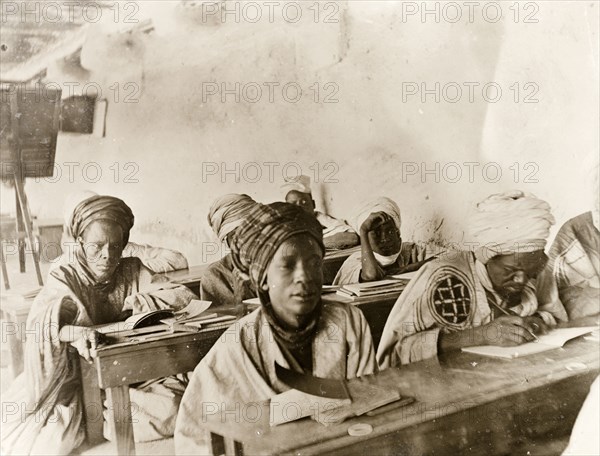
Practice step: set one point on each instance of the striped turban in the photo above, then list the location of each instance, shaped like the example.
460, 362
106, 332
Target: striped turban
227, 213
101, 207
509, 222
263, 231
71, 202
381, 204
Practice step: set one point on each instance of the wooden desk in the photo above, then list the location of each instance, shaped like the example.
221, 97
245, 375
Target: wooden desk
189, 277
115, 367
464, 404
50, 235
333, 260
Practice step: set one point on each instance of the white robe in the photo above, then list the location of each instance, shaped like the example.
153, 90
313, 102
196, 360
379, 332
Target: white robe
239, 369
445, 295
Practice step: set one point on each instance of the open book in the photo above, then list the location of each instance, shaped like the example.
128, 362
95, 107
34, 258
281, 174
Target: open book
192, 311
328, 401
194, 315
555, 338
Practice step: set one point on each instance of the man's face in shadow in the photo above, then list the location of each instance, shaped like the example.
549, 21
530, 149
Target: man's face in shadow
304, 200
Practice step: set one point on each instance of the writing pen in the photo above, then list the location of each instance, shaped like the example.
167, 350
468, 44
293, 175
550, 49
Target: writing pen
506, 312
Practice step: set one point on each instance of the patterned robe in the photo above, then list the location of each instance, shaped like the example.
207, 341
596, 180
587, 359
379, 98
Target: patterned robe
51, 378
569, 286
239, 369
446, 295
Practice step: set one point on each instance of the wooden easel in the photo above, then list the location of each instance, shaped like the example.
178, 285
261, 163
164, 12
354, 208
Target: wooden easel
23, 215
24, 220
28, 150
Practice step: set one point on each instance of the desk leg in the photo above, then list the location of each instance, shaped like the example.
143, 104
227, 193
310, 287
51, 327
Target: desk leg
119, 410
20, 234
233, 448
4, 270
218, 445
92, 403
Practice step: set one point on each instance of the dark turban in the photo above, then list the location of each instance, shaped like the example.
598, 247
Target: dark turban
263, 231
101, 207
227, 212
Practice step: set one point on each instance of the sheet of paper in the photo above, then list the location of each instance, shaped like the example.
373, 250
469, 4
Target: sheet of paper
594, 337
554, 339
405, 275
375, 284
559, 336
509, 352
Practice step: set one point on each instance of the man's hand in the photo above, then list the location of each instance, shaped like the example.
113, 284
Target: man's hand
537, 324
509, 331
86, 341
374, 220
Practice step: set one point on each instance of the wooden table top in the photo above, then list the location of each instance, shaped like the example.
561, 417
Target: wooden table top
155, 355
441, 386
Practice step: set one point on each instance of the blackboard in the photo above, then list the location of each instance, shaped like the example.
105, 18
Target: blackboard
28, 129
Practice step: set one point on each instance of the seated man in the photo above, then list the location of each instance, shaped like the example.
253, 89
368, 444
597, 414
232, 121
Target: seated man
98, 287
222, 282
481, 298
382, 251
337, 234
569, 286
280, 247
156, 259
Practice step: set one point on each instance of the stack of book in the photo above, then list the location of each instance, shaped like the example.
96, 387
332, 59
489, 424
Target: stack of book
379, 287
190, 319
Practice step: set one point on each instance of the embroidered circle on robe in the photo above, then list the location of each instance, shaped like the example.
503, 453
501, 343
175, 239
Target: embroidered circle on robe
450, 297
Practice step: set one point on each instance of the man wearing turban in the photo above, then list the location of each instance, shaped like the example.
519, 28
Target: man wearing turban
382, 250
337, 234
97, 287
222, 282
280, 248
485, 297
570, 282
156, 259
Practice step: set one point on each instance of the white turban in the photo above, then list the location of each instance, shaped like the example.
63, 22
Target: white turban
381, 204
509, 222
300, 184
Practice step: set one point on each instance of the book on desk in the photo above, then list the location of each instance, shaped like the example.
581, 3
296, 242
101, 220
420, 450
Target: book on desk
554, 339
192, 318
376, 288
